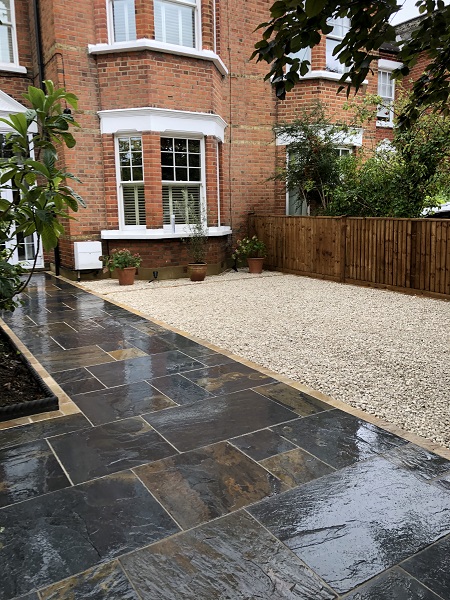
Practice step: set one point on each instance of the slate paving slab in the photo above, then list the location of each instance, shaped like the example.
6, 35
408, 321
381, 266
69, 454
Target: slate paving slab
262, 444
205, 484
432, 567
301, 403
106, 582
180, 389
121, 402
353, 524
109, 448
228, 378
77, 381
78, 357
49, 538
146, 367
296, 467
338, 438
42, 429
233, 557
29, 470
217, 419
419, 462
393, 585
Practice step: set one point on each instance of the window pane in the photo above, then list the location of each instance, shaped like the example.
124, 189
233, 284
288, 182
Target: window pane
194, 160
167, 174
124, 20
136, 144
181, 174
167, 144
333, 63
174, 23
134, 205
181, 160
124, 144
6, 44
124, 159
136, 158
180, 145
194, 175
194, 146
181, 201
166, 158
137, 174
125, 173
5, 11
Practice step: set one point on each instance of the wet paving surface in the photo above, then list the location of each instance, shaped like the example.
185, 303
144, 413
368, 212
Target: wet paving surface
187, 475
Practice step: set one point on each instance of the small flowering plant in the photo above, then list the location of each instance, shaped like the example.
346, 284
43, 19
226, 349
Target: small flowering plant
120, 259
249, 248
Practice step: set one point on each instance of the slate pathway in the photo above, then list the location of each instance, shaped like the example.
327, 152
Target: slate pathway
188, 475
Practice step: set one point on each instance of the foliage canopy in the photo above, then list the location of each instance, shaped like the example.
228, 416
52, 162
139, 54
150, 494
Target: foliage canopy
39, 195
298, 24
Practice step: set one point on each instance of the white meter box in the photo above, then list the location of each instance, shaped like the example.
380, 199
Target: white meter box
87, 255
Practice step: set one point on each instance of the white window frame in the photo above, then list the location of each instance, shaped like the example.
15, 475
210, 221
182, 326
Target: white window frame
181, 227
383, 119
344, 150
14, 64
345, 22
110, 24
122, 226
196, 6
303, 54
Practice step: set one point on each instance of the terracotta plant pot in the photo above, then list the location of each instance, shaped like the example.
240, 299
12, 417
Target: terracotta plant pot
255, 265
126, 276
197, 271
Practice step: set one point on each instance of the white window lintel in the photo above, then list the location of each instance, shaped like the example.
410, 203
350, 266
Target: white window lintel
162, 120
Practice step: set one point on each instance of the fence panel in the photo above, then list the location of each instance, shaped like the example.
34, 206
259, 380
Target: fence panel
396, 253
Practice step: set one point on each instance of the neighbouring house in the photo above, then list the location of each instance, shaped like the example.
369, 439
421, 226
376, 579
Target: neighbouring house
172, 111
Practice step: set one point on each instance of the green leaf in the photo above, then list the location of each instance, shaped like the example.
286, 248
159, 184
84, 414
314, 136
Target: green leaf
314, 7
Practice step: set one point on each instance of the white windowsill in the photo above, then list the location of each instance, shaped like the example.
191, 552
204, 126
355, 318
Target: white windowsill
158, 234
330, 75
146, 44
12, 68
385, 124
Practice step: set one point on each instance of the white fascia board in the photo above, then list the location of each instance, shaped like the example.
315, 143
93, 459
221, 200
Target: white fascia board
388, 65
353, 137
158, 234
146, 44
162, 120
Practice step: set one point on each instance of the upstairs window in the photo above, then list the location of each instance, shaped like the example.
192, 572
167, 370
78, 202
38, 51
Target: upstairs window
181, 173
8, 43
340, 27
122, 20
175, 22
303, 54
386, 89
131, 180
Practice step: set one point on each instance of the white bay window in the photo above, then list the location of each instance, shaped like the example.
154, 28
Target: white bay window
8, 38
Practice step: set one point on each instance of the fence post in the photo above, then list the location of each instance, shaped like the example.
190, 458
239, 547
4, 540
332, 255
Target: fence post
343, 248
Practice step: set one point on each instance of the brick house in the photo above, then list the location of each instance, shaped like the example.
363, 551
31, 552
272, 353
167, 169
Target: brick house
171, 108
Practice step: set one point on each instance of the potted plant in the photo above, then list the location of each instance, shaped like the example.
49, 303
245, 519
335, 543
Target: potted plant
124, 262
254, 250
197, 245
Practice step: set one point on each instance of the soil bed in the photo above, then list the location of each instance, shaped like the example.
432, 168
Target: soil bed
22, 391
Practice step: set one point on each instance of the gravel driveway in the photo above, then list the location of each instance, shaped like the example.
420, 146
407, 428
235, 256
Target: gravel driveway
384, 352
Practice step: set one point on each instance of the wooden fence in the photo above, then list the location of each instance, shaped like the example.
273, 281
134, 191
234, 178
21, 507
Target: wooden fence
402, 254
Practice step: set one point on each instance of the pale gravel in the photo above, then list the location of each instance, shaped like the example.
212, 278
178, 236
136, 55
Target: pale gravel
384, 352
